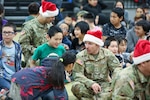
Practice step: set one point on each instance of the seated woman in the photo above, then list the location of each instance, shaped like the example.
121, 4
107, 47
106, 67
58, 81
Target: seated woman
31, 83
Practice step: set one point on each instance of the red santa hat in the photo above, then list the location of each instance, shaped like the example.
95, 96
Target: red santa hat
48, 9
141, 52
95, 36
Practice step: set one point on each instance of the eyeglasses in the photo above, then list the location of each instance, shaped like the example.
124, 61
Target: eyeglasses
7, 33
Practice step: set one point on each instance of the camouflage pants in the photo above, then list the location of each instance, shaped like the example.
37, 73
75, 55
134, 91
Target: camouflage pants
83, 93
15, 91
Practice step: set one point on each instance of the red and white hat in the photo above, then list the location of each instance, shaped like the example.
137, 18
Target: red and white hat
141, 52
48, 9
95, 36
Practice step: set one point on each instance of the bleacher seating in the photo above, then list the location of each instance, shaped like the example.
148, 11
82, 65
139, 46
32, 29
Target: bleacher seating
17, 10
67, 7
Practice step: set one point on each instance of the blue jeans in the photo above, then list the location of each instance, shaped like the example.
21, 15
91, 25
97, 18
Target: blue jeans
4, 83
50, 95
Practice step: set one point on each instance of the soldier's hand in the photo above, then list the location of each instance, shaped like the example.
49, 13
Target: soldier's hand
96, 88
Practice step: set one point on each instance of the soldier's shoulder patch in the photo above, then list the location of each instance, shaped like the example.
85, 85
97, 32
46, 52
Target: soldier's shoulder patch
131, 84
79, 61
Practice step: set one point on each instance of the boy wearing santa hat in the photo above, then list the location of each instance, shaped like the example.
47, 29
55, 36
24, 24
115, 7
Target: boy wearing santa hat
34, 31
134, 82
93, 67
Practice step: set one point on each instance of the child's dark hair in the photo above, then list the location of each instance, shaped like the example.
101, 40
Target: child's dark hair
108, 41
144, 24
84, 26
68, 15
33, 8
118, 11
9, 24
141, 9
119, 1
120, 39
89, 16
57, 74
53, 30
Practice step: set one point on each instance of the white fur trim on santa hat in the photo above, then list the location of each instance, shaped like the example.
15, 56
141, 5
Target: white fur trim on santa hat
93, 39
48, 13
142, 58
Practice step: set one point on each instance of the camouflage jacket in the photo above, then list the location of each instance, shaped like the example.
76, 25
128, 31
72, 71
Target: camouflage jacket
131, 84
32, 35
89, 70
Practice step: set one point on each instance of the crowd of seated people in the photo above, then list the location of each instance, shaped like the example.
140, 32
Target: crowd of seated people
87, 33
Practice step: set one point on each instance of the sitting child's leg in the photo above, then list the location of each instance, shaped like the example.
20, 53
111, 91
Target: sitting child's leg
4, 83
15, 92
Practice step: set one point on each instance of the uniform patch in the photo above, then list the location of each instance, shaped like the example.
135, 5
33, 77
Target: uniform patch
80, 62
131, 84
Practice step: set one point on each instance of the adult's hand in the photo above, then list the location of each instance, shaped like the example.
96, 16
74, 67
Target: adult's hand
96, 88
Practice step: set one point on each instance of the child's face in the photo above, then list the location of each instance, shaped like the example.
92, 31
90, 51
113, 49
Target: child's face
139, 31
113, 47
77, 32
80, 18
68, 20
139, 11
93, 2
55, 40
119, 4
122, 46
64, 27
69, 67
114, 19
8, 34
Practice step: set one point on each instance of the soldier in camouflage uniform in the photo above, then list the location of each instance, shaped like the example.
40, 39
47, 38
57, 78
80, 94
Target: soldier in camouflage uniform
34, 31
133, 83
92, 68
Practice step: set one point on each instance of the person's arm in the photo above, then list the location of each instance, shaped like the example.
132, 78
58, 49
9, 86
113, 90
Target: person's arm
35, 57
26, 41
130, 42
78, 73
126, 16
60, 94
105, 30
18, 57
123, 88
113, 63
32, 63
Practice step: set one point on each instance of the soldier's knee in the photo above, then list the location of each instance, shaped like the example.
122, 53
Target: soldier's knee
76, 88
80, 90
